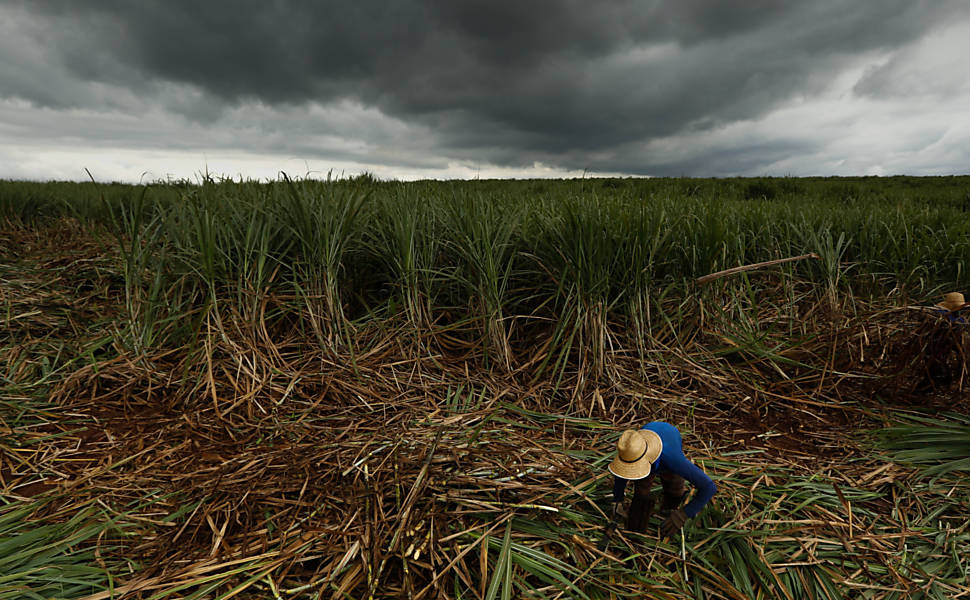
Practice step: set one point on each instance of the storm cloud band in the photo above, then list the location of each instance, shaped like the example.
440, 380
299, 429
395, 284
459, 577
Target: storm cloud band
561, 82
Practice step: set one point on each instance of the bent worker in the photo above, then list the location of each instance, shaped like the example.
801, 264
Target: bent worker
941, 344
951, 307
641, 455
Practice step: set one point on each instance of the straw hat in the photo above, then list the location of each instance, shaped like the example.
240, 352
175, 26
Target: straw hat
953, 301
635, 452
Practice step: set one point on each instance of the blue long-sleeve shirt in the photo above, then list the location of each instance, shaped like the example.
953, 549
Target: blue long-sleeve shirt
954, 317
672, 460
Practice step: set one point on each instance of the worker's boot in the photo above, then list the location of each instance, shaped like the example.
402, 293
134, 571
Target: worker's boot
674, 491
642, 506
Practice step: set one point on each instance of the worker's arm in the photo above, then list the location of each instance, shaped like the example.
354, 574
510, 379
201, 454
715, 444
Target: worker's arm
704, 486
619, 487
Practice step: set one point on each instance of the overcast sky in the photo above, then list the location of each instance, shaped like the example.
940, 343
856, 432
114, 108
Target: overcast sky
147, 89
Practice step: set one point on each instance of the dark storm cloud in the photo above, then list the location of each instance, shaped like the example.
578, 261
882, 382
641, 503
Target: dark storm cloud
566, 82
431, 50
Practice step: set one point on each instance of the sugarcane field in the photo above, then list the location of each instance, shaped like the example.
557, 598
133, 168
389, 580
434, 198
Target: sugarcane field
350, 387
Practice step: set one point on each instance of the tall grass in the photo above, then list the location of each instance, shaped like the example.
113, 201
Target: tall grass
323, 225
405, 240
481, 232
585, 263
143, 276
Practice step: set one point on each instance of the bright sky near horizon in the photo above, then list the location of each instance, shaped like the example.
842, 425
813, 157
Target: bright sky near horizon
409, 89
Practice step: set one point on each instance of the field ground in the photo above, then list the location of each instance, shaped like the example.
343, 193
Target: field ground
168, 431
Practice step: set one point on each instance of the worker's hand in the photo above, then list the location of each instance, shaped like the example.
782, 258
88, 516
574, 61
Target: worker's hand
673, 523
615, 512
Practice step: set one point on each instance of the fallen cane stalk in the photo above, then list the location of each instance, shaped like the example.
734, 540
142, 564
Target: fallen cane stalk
753, 267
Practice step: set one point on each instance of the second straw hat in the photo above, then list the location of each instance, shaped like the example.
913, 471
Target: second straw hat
952, 301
